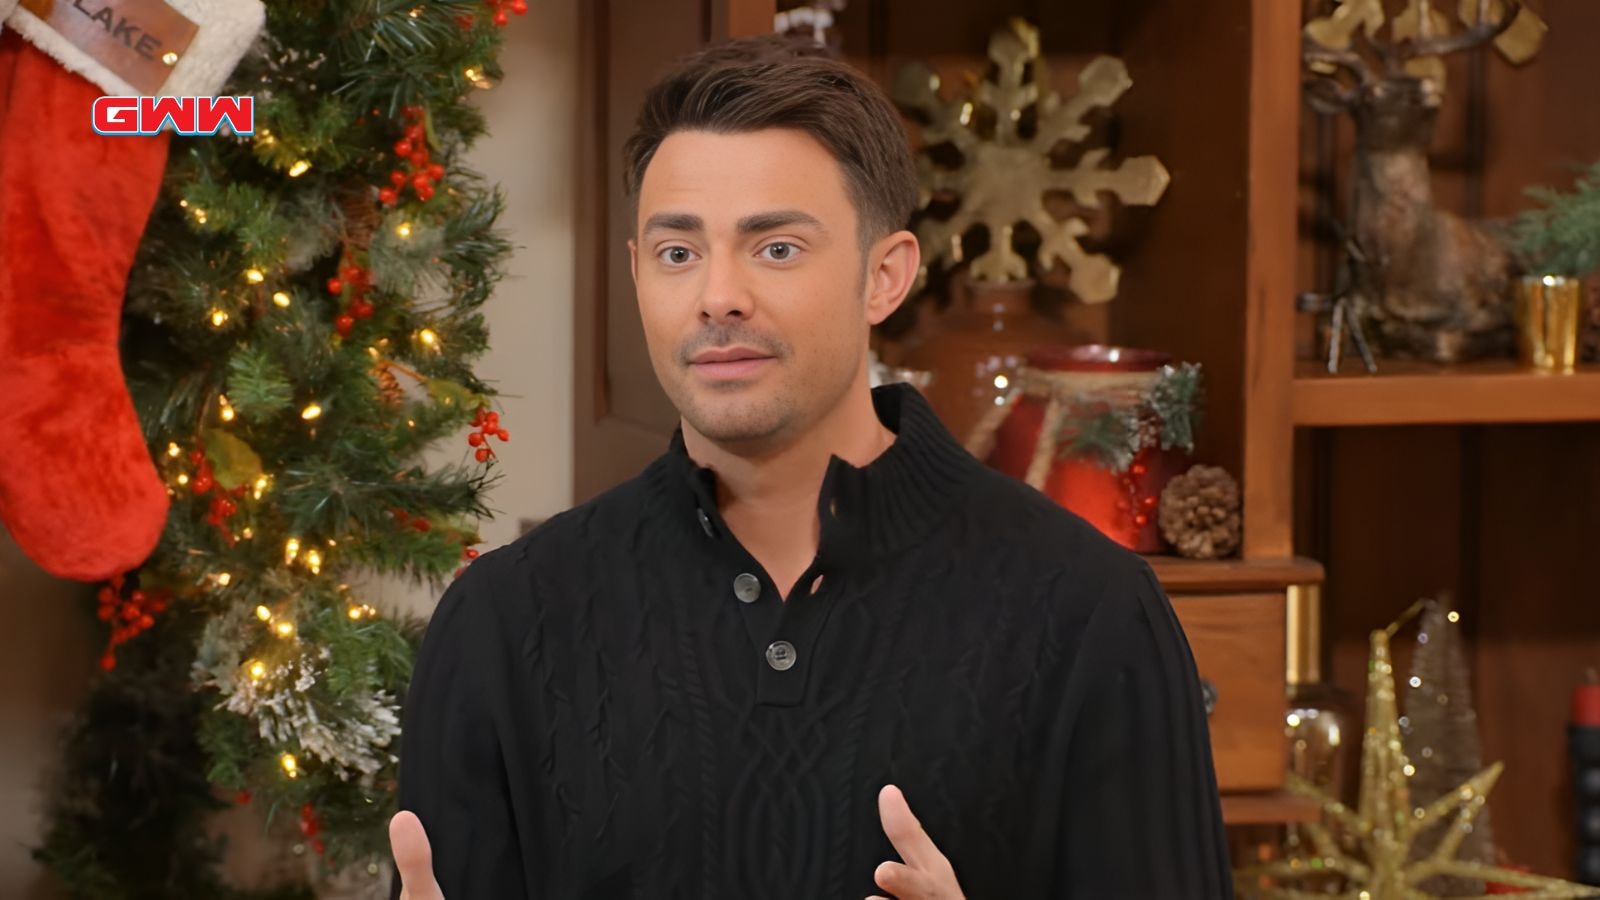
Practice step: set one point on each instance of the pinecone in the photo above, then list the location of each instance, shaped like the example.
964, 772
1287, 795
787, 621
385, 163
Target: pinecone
1199, 513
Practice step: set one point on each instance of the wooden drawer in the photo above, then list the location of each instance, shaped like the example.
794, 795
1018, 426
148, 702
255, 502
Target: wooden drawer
1238, 643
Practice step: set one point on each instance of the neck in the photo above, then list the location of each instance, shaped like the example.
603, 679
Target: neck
768, 495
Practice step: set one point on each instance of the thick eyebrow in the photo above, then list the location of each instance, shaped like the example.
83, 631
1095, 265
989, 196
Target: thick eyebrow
754, 223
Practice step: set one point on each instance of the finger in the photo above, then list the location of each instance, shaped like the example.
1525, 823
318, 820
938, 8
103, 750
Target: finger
413, 857
905, 832
902, 881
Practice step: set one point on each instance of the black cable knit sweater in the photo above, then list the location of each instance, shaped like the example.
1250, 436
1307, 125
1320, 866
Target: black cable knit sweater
619, 704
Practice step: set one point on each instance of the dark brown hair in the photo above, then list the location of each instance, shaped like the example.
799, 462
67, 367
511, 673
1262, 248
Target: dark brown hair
771, 81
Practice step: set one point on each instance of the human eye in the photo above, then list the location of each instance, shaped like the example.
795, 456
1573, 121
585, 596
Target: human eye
675, 256
780, 251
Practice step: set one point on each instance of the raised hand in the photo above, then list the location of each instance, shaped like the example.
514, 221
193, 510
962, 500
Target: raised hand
925, 874
408, 841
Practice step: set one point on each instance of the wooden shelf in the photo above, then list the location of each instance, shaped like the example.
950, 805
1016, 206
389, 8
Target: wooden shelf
1197, 576
1268, 809
1410, 393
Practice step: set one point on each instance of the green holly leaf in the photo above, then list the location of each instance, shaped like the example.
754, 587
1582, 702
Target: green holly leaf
448, 393
233, 462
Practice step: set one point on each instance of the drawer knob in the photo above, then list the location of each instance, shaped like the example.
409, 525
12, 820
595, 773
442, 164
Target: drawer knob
1208, 693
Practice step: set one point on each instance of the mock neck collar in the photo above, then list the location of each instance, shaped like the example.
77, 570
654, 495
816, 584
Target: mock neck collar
866, 511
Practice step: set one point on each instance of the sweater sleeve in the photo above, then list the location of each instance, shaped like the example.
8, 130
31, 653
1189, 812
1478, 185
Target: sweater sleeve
452, 772
1141, 814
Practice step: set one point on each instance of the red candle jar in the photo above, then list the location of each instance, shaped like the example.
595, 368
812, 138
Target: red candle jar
1087, 389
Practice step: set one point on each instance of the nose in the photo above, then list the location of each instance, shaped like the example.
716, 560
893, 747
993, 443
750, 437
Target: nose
723, 296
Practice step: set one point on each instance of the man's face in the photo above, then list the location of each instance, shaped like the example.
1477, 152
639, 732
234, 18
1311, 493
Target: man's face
752, 284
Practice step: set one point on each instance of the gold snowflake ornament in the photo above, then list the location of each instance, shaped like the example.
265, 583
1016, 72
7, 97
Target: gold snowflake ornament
1385, 824
1005, 175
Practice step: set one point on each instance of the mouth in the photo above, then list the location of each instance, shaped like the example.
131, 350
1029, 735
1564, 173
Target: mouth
729, 363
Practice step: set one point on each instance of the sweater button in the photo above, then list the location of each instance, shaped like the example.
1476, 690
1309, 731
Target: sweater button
781, 655
705, 521
747, 588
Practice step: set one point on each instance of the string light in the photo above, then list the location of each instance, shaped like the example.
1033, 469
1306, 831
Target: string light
254, 275
226, 408
218, 318
416, 12
355, 612
257, 669
248, 533
311, 412
174, 451
1453, 616
169, 58
403, 230
475, 76
224, 579
429, 338
281, 299
284, 629
183, 479
199, 215
263, 614
291, 766
314, 561
291, 549
299, 168
265, 138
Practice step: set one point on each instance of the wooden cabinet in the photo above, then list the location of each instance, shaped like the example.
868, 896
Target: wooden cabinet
1239, 649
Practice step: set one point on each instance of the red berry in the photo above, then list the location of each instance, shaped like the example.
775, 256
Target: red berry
471, 553
318, 846
411, 111
482, 455
501, 19
351, 274
242, 798
492, 419
107, 613
146, 621
201, 483
387, 196
415, 133
466, 22
335, 286
108, 661
361, 309
425, 193
475, 439
435, 171
421, 525
503, 434
343, 324
229, 508
195, 456
420, 181
420, 160
402, 147
519, 6
397, 178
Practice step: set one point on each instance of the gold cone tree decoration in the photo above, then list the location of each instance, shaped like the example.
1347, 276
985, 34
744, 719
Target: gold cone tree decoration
1009, 130
1385, 825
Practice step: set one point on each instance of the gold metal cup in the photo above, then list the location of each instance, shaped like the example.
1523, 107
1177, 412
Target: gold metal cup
1548, 308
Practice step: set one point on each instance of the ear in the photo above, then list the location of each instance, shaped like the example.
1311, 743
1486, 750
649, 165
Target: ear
633, 260
892, 265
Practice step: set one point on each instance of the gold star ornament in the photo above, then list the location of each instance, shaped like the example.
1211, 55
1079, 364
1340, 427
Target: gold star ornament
1369, 848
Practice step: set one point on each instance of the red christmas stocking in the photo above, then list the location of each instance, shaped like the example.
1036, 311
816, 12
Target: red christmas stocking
78, 490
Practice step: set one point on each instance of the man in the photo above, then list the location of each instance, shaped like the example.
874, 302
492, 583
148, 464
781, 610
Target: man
739, 673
